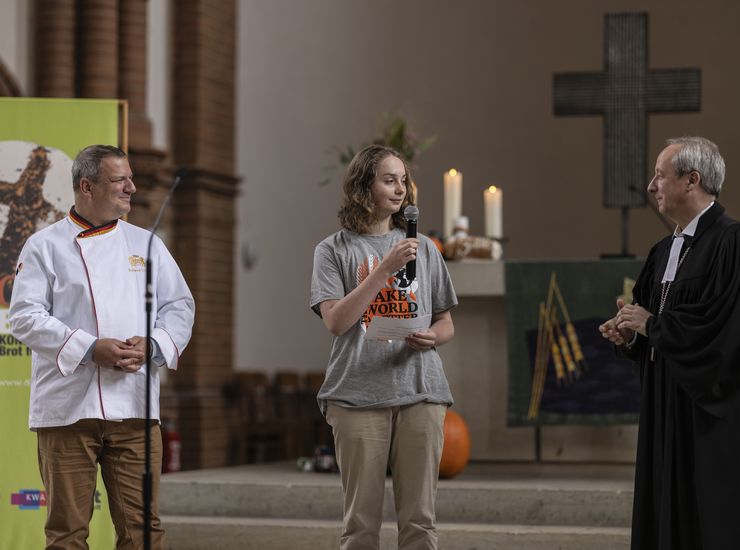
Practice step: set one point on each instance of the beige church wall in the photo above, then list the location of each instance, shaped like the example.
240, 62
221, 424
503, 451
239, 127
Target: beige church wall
476, 74
15, 40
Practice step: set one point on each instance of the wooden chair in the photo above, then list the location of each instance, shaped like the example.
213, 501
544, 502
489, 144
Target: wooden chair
263, 433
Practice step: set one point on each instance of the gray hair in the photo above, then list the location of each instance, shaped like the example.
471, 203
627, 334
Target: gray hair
700, 155
87, 163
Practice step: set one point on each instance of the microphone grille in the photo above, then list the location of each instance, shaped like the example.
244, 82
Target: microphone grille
411, 213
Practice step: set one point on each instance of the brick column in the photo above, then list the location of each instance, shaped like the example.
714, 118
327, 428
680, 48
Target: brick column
152, 176
97, 49
107, 40
203, 133
132, 69
54, 65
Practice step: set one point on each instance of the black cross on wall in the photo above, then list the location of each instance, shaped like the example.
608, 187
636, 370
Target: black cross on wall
624, 93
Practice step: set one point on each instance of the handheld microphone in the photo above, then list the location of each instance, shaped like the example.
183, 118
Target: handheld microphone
411, 214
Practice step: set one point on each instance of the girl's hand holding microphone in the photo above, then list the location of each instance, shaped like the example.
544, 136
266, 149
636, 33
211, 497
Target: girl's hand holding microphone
402, 253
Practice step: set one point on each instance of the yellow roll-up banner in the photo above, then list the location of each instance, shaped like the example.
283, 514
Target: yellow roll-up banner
39, 138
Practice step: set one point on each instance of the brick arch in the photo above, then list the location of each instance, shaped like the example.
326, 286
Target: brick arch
9, 86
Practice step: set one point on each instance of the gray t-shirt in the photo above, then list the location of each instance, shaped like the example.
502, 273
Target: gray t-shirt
369, 373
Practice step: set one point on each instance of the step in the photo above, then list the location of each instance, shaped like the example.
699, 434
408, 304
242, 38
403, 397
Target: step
203, 532
491, 494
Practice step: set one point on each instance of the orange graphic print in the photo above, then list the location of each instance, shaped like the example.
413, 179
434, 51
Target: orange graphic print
394, 299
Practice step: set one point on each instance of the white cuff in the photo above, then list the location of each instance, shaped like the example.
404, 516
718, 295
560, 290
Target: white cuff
167, 347
73, 351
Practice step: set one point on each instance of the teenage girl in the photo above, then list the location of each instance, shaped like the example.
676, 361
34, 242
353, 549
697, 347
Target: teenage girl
385, 400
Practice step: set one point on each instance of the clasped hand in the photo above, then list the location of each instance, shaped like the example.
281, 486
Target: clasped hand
629, 319
127, 355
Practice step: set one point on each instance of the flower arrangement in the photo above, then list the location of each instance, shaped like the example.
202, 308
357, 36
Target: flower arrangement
395, 132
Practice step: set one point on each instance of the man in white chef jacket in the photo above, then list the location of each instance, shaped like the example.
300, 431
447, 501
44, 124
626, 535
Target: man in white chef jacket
78, 303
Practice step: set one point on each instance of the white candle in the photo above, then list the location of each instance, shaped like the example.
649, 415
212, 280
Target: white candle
493, 198
452, 200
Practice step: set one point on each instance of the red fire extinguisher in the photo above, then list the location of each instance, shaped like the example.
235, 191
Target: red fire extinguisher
171, 445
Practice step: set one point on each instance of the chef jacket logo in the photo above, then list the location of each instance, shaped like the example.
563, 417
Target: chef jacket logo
396, 299
137, 263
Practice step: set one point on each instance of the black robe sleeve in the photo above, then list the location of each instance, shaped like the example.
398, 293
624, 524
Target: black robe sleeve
699, 339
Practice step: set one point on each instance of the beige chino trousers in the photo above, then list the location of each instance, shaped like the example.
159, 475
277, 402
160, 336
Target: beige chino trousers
407, 438
68, 460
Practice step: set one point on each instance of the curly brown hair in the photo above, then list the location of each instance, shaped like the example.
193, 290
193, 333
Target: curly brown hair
357, 212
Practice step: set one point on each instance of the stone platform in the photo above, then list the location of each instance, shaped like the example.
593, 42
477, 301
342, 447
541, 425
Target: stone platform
516, 506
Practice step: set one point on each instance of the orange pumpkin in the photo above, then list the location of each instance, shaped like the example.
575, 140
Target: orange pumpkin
456, 449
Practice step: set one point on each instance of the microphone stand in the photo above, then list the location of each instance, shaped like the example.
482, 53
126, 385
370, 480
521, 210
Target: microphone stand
147, 478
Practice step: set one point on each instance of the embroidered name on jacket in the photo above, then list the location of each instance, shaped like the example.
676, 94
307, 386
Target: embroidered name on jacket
136, 263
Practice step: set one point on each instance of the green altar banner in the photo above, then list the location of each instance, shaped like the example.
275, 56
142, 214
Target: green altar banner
603, 389
38, 140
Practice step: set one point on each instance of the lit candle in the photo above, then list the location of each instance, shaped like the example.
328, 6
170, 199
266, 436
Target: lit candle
493, 198
452, 200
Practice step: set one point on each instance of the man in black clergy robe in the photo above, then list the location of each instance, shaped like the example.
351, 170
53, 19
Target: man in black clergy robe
683, 329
